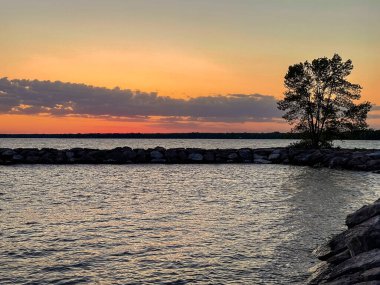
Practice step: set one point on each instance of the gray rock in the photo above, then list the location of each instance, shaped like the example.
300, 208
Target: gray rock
209, 156
32, 159
171, 155
195, 157
160, 149
363, 214
373, 164
17, 158
357, 239
261, 161
110, 160
141, 156
259, 156
366, 260
8, 153
70, 154
155, 154
356, 162
182, 155
353, 256
158, 160
319, 272
232, 156
129, 154
245, 154
339, 257
302, 158
362, 268
372, 274
274, 156
374, 155
337, 162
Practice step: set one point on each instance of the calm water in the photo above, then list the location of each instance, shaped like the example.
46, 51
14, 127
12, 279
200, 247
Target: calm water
170, 224
168, 143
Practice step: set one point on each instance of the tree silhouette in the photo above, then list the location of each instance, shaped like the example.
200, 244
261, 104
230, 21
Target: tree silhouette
319, 100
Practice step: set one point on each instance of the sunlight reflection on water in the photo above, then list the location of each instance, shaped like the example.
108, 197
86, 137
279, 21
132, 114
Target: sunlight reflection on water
171, 224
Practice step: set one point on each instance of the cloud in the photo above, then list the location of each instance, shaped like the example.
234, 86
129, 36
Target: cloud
69, 99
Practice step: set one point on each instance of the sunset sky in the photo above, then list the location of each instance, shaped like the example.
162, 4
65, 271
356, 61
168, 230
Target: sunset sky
171, 65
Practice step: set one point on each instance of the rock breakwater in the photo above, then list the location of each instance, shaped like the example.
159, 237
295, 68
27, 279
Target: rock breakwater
353, 256
366, 160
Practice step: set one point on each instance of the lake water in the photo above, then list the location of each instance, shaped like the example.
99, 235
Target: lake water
169, 224
168, 143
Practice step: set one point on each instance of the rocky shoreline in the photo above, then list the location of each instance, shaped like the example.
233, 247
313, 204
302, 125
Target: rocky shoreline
365, 160
353, 256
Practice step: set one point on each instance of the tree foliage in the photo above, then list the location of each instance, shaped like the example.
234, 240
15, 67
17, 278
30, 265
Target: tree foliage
319, 100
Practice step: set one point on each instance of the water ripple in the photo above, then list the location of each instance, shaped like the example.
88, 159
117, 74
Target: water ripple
171, 224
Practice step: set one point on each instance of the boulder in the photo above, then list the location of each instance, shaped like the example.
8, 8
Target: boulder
70, 154
303, 158
171, 155
373, 164
245, 154
182, 155
195, 157
158, 160
374, 155
265, 152
360, 263
129, 155
258, 156
17, 158
114, 155
32, 159
221, 155
8, 153
155, 154
353, 256
140, 155
261, 161
232, 156
274, 156
357, 239
209, 156
160, 149
337, 162
364, 213
356, 162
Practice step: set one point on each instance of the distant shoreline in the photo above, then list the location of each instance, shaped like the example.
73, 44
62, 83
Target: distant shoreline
360, 135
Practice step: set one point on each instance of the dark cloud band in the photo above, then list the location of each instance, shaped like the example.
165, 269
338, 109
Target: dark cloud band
63, 99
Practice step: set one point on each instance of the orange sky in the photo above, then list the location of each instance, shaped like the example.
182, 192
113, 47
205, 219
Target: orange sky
16, 124
181, 50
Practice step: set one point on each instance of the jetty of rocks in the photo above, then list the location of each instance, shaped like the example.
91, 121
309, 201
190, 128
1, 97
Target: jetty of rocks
353, 256
366, 160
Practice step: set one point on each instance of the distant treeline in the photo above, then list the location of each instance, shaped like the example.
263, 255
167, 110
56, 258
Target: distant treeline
357, 135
